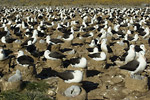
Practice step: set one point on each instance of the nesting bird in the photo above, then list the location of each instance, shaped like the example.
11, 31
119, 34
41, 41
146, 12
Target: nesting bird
24, 60
137, 65
98, 56
129, 55
71, 76
53, 55
78, 62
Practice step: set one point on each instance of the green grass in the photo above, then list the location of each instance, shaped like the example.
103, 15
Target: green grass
37, 86
28, 95
32, 91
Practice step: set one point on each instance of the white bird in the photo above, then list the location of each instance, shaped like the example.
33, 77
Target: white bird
137, 65
129, 55
71, 76
24, 60
53, 55
78, 62
98, 56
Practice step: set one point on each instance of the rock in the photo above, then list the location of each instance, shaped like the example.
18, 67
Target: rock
117, 79
51, 92
136, 85
53, 83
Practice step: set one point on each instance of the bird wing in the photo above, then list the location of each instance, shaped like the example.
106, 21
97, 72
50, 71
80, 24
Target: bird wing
25, 59
95, 55
56, 41
131, 66
26, 41
66, 75
73, 61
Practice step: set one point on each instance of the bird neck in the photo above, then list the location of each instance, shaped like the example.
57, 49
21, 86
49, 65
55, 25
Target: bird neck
46, 53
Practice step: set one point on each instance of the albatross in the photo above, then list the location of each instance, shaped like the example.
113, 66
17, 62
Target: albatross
129, 55
79, 62
71, 76
137, 65
53, 55
101, 56
24, 60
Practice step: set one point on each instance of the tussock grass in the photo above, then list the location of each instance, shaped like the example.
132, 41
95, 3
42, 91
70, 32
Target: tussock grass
32, 91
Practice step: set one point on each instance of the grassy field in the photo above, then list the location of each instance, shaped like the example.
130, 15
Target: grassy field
73, 2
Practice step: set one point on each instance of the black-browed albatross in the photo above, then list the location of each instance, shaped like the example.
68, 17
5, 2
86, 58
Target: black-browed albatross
137, 65
71, 76
24, 60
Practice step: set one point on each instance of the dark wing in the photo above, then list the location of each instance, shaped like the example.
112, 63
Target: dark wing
86, 35
26, 41
25, 60
66, 75
131, 66
90, 49
65, 49
3, 33
31, 48
77, 44
57, 55
7, 52
9, 39
130, 38
95, 55
56, 41
74, 61
37, 53
66, 35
